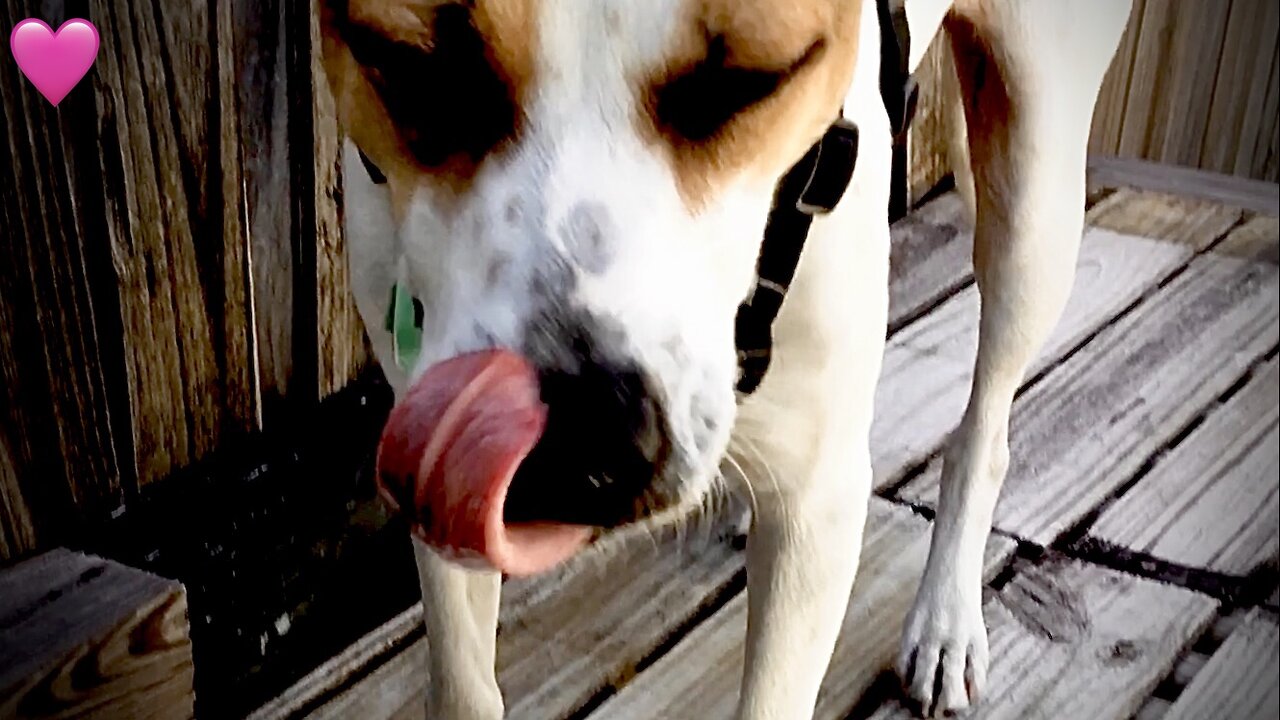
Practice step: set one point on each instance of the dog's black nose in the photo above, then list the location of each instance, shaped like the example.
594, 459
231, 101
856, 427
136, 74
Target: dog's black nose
605, 441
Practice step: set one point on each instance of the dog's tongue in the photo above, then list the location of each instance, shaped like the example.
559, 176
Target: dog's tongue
449, 451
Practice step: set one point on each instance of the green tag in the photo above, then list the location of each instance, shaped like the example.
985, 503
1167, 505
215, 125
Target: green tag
404, 322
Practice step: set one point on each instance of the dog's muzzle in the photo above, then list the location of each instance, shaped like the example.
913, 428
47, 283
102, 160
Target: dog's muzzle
502, 467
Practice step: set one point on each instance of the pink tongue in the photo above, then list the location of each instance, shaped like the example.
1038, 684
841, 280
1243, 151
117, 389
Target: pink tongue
451, 447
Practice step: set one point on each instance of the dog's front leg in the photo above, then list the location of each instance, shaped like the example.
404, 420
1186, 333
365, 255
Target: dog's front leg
802, 555
803, 441
1030, 71
460, 611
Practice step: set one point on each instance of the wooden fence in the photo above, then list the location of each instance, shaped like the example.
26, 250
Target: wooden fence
171, 270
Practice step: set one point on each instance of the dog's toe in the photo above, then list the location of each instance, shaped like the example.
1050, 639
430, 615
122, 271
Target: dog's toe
951, 690
943, 658
921, 677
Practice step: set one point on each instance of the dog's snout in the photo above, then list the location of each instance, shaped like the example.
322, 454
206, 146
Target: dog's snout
605, 442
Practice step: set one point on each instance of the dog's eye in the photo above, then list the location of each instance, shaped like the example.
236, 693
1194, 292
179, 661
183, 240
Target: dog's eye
700, 102
374, 173
448, 100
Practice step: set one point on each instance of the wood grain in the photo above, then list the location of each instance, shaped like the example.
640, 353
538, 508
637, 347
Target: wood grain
924, 384
168, 229
1259, 196
1172, 85
258, 94
1239, 681
389, 651
240, 319
1234, 130
700, 676
553, 655
1094, 420
1267, 161
308, 339
157, 197
1213, 501
340, 343
938, 122
62, 448
929, 258
1113, 96
1071, 640
86, 637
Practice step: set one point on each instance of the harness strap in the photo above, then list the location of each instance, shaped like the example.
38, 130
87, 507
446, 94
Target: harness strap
811, 187
814, 186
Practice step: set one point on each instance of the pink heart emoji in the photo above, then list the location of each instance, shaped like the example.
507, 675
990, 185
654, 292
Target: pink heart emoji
54, 62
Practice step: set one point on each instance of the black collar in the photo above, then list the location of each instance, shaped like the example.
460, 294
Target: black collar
813, 187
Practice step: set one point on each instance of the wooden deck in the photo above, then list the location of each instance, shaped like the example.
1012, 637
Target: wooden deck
1134, 567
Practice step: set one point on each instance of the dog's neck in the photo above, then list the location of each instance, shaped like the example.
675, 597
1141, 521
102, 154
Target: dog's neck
814, 186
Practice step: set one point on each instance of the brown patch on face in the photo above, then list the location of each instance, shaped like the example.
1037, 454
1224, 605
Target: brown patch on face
429, 88
749, 87
508, 28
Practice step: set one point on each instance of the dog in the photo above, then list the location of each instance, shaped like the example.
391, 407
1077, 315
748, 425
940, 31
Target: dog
554, 213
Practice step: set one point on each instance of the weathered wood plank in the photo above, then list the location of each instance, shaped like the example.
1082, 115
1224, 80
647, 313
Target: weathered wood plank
564, 637
242, 380
381, 649
699, 677
259, 94
60, 445
1266, 160
155, 200
1187, 667
938, 111
1260, 196
551, 660
1112, 405
340, 342
1214, 501
1181, 112
1172, 83
929, 257
123, 267
1153, 709
1113, 96
1234, 130
924, 384
86, 637
1239, 681
1071, 640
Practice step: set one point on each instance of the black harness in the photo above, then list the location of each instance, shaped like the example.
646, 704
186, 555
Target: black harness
814, 187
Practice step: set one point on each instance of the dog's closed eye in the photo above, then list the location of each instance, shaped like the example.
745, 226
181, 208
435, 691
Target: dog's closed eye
447, 99
699, 102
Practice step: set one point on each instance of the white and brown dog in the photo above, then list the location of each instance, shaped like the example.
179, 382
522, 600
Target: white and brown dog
570, 195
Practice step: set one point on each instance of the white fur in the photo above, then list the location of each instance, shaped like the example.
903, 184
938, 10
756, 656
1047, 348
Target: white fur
803, 436
1029, 176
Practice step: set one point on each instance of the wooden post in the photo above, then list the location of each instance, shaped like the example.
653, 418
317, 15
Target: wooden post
84, 637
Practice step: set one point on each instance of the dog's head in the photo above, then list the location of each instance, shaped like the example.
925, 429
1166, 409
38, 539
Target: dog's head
583, 183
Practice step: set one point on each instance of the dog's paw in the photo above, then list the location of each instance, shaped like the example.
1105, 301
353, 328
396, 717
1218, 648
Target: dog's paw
943, 658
